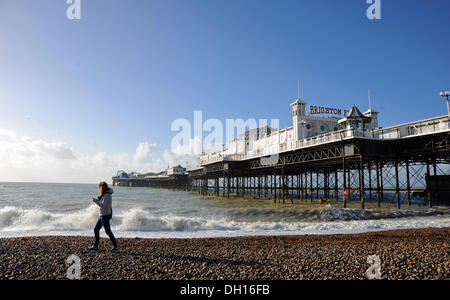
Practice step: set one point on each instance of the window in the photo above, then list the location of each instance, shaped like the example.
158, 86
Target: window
322, 128
308, 126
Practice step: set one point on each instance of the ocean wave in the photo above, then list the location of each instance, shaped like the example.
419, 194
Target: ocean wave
138, 219
135, 219
347, 214
13, 217
142, 222
272, 214
325, 214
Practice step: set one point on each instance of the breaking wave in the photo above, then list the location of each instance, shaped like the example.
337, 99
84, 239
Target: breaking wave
342, 214
140, 222
12, 217
328, 214
138, 219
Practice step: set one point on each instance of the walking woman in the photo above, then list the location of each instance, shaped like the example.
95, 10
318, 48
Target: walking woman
104, 201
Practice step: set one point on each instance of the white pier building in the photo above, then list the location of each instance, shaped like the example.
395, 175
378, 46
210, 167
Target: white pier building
317, 127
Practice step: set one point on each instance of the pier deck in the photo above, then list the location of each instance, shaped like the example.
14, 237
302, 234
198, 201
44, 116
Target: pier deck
400, 164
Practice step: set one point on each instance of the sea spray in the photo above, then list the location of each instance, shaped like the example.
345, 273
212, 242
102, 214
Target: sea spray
138, 219
65, 209
347, 214
28, 219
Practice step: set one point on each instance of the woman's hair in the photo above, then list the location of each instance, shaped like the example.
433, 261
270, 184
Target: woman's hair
103, 187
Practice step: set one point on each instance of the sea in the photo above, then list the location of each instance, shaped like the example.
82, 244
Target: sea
46, 209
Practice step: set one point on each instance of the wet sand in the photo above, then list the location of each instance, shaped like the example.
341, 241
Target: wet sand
404, 254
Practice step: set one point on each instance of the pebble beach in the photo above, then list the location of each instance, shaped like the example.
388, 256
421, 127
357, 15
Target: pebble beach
404, 254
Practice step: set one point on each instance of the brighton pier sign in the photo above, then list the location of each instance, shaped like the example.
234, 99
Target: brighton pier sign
317, 110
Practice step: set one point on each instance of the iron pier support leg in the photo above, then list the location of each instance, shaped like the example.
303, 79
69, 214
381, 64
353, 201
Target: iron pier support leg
216, 187
369, 167
428, 180
317, 184
336, 186
408, 184
281, 188
228, 185
259, 185
224, 184
378, 185
381, 182
301, 187
274, 185
349, 181
397, 186
436, 183
361, 181
283, 185
344, 181
265, 186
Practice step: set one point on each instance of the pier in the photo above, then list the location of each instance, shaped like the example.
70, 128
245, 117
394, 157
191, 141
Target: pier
174, 182
405, 161
401, 165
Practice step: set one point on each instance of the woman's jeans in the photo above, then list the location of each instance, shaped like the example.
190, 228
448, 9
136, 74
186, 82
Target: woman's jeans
104, 221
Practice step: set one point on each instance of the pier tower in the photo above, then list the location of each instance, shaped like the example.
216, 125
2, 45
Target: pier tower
298, 116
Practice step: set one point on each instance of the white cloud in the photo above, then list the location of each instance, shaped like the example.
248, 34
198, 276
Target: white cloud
144, 152
25, 159
184, 155
7, 135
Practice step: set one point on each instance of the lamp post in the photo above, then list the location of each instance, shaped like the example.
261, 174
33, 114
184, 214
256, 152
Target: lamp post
446, 94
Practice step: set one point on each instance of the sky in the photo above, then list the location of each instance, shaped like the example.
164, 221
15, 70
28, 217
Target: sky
81, 99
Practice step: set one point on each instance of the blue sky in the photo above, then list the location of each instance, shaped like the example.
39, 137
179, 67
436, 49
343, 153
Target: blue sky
127, 69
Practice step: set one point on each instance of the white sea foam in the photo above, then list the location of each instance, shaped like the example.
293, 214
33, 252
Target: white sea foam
17, 218
140, 222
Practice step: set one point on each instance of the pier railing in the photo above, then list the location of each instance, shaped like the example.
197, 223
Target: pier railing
429, 126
